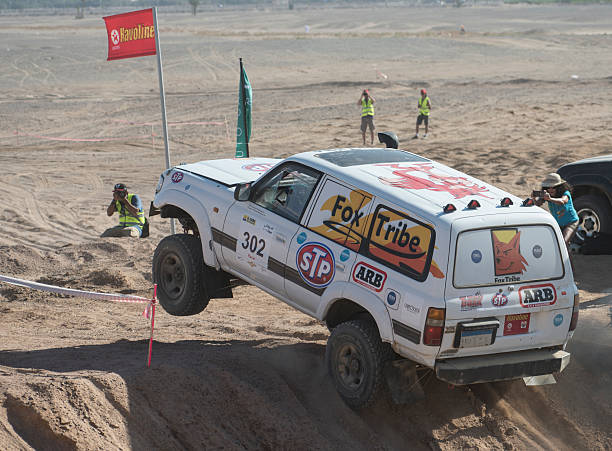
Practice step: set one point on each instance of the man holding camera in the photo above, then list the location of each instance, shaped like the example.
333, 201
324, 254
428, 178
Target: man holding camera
131, 214
366, 101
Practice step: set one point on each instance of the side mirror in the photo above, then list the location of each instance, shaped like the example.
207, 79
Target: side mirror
242, 192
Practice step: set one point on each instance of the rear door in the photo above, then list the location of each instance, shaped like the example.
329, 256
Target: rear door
509, 288
323, 251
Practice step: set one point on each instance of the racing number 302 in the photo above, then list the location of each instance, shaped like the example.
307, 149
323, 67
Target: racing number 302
251, 242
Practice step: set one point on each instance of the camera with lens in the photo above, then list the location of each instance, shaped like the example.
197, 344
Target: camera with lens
121, 194
536, 193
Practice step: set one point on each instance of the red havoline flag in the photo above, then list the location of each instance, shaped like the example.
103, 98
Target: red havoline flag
130, 34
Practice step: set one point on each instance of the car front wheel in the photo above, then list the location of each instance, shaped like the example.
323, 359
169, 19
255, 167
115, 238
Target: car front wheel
179, 272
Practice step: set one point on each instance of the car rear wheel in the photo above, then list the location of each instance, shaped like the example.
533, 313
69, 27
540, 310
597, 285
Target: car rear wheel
595, 215
179, 272
355, 358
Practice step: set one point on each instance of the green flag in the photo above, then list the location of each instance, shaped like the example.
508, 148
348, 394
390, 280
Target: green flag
243, 125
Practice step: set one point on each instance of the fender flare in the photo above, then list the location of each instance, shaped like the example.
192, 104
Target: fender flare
592, 181
362, 297
198, 212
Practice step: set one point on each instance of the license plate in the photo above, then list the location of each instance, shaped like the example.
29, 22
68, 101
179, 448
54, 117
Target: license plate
473, 338
517, 324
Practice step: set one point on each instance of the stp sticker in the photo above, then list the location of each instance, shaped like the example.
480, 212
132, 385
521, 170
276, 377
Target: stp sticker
177, 177
257, 167
500, 299
316, 265
537, 295
369, 276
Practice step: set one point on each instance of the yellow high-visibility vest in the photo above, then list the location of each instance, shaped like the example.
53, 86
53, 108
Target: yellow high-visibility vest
423, 108
367, 108
125, 217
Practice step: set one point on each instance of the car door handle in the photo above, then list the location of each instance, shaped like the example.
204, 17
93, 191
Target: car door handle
280, 237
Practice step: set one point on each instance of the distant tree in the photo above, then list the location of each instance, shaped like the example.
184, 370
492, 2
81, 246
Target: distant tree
194, 5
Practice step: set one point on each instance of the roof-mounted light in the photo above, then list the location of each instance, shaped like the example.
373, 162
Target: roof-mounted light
506, 202
528, 202
473, 205
449, 208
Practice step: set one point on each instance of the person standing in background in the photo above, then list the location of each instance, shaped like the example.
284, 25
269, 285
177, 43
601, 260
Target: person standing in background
557, 193
424, 107
367, 115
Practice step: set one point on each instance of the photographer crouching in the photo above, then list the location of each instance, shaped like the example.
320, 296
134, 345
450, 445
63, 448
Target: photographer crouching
131, 215
557, 192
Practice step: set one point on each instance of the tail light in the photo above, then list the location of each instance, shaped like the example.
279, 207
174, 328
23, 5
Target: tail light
434, 327
575, 311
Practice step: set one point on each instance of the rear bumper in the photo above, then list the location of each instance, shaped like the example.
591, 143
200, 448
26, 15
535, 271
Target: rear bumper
501, 367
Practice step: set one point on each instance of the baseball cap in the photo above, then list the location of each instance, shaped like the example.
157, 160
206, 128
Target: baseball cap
423, 91
120, 187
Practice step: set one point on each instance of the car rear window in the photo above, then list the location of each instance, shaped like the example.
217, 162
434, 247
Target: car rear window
506, 255
356, 157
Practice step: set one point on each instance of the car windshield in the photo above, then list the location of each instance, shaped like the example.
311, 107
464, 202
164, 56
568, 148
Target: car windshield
356, 157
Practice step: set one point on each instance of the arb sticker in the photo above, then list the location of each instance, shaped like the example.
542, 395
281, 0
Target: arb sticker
369, 276
537, 295
316, 265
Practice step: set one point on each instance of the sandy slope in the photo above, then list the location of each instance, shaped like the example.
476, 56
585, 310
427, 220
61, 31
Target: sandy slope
248, 372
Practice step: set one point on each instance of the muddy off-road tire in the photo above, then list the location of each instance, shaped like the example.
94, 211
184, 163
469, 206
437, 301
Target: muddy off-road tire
355, 358
179, 272
595, 214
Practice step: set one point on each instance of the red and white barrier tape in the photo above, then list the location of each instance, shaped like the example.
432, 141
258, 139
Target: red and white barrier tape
148, 313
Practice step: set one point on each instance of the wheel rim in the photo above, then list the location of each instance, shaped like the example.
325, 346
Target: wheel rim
173, 275
589, 223
350, 366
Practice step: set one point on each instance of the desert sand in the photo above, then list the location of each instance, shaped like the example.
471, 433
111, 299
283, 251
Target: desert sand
522, 91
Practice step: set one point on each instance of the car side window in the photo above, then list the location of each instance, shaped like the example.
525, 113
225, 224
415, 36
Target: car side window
287, 190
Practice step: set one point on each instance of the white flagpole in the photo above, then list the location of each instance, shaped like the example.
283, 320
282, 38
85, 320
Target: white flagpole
162, 97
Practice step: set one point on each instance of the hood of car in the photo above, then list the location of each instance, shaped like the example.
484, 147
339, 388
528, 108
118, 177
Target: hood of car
231, 171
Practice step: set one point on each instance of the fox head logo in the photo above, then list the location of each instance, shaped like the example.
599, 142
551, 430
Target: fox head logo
507, 254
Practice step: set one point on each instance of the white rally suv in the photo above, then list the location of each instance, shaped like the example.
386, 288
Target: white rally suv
410, 263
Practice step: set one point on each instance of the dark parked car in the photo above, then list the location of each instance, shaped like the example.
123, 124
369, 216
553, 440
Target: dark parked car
591, 180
